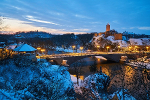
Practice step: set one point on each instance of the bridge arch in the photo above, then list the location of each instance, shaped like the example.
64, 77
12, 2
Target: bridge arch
71, 59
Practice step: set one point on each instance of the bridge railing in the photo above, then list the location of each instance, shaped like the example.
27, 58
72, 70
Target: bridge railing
81, 54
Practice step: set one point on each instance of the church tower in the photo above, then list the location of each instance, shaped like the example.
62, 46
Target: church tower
107, 27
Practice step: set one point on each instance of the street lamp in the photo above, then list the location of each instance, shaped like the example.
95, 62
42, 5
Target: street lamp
98, 47
147, 48
73, 47
135, 48
81, 48
107, 48
118, 47
42, 50
129, 48
38, 48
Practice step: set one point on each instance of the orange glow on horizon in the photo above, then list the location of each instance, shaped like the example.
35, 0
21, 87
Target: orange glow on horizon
15, 25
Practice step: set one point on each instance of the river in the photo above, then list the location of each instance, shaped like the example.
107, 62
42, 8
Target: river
121, 76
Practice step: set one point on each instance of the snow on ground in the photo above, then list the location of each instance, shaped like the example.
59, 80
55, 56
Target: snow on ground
97, 39
11, 46
74, 80
111, 38
101, 57
121, 43
135, 41
138, 64
140, 41
100, 81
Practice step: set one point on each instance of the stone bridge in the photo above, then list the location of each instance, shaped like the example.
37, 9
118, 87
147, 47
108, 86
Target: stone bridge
110, 57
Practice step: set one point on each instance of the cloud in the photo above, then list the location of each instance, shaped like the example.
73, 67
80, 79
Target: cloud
123, 28
144, 28
95, 22
16, 25
56, 13
31, 18
81, 30
16, 7
23, 3
132, 27
115, 21
140, 28
82, 16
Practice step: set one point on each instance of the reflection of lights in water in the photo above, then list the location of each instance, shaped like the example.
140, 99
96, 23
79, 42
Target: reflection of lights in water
98, 60
129, 71
64, 62
129, 74
105, 71
80, 77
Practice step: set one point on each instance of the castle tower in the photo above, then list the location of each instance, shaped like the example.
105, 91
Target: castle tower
107, 27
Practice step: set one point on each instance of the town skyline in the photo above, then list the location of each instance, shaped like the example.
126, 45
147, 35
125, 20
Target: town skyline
58, 17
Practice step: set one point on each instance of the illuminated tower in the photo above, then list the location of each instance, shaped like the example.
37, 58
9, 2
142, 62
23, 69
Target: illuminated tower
107, 27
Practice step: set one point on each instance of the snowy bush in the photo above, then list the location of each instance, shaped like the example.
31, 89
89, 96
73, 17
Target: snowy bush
28, 80
94, 86
22, 61
98, 81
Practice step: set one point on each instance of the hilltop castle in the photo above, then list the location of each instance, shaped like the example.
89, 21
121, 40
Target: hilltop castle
108, 32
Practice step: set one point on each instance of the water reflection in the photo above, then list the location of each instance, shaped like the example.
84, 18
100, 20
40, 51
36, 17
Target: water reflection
108, 69
122, 76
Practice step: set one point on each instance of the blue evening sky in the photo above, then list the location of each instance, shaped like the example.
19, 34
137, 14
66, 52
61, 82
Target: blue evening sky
79, 16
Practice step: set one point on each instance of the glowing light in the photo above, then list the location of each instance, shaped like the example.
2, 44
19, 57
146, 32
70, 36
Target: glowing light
38, 48
81, 48
73, 46
147, 48
42, 50
98, 46
107, 47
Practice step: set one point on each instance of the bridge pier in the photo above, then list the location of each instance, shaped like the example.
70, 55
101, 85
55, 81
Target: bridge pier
64, 63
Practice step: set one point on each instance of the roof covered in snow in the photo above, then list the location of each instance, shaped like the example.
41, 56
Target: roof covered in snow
100, 57
12, 46
24, 48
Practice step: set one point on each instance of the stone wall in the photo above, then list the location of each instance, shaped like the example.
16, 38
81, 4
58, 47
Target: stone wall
118, 36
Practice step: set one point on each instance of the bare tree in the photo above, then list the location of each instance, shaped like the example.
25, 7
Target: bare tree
2, 26
77, 66
93, 67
